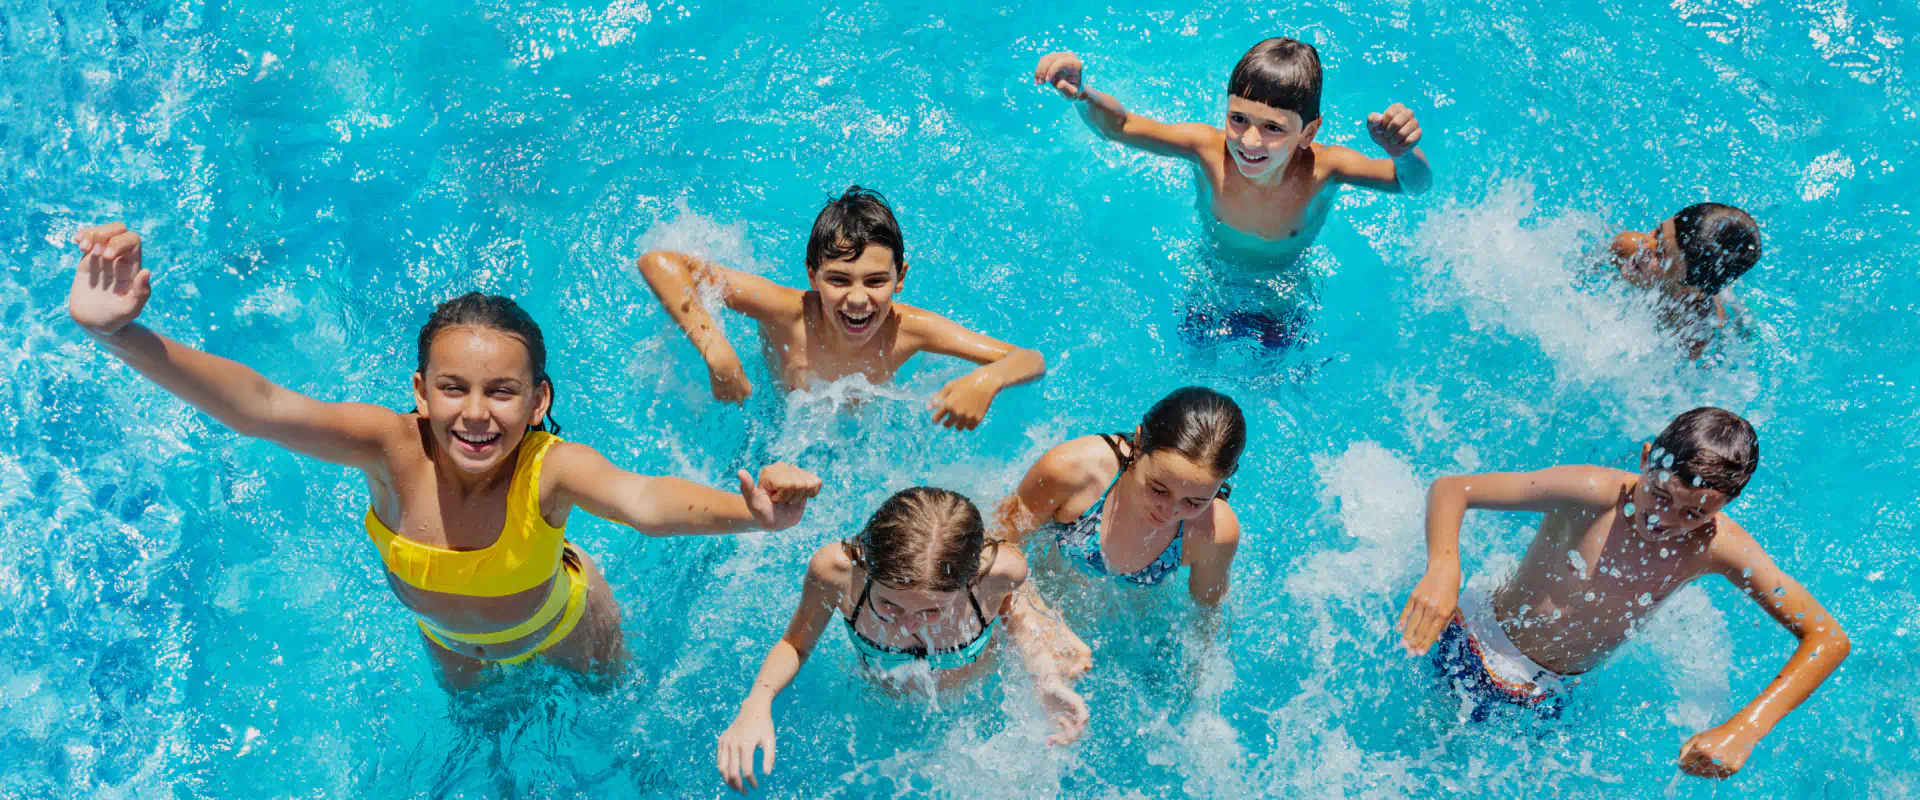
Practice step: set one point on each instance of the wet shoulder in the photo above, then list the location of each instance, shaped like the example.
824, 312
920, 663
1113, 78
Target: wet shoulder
1218, 530
1074, 473
1007, 572
1333, 159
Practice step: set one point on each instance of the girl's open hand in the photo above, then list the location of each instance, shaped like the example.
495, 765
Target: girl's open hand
1062, 72
110, 288
779, 498
1066, 709
750, 730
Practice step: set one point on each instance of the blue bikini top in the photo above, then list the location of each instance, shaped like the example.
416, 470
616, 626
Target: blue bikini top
1079, 540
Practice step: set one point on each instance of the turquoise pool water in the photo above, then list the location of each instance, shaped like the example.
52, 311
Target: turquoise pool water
187, 613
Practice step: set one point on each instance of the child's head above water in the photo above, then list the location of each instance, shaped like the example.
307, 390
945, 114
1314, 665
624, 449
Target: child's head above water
924, 539
1701, 462
856, 261
1706, 247
1719, 242
1273, 104
1186, 448
482, 381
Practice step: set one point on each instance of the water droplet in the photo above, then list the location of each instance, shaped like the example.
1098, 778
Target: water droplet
1653, 519
1658, 453
1589, 597
1746, 573
1779, 591
1579, 564
1627, 510
1646, 599
1665, 476
1664, 552
1696, 481
1667, 461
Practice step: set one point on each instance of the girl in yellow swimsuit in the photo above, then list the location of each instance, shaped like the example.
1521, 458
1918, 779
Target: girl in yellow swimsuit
470, 492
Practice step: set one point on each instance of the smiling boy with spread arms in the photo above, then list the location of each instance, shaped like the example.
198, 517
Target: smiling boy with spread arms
1263, 179
1612, 547
845, 323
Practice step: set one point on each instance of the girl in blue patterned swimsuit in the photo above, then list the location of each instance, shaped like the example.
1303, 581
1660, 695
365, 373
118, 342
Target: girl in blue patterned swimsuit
1136, 509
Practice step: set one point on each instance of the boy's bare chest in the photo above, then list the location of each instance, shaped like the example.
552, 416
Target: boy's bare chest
1607, 558
1271, 214
802, 359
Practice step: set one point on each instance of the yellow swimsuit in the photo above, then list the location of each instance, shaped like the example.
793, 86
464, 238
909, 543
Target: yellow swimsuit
528, 554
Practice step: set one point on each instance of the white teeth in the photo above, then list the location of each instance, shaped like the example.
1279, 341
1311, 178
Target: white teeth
475, 439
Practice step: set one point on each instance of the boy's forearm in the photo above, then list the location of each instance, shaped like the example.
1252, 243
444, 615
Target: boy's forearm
1813, 661
1446, 507
672, 282
1103, 113
1018, 367
1413, 172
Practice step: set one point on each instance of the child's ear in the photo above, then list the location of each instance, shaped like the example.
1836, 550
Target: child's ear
1310, 130
900, 278
420, 394
546, 402
1646, 456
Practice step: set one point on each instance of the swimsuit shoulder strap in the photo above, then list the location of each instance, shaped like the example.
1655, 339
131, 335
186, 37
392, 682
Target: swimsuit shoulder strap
1113, 441
866, 585
973, 599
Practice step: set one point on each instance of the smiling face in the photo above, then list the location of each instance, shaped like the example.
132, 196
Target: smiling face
1174, 486
1261, 139
478, 395
856, 295
1665, 507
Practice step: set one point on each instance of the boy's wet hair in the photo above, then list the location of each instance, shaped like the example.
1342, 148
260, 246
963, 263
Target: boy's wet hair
500, 314
1720, 243
1199, 423
1280, 72
850, 223
1709, 448
923, 538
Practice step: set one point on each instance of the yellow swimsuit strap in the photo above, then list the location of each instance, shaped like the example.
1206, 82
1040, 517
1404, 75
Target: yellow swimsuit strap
526, 555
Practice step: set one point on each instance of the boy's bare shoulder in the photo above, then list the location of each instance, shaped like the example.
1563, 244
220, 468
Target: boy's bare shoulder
1333, 159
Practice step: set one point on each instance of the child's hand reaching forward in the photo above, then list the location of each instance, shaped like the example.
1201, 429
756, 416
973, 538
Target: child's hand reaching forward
110, 288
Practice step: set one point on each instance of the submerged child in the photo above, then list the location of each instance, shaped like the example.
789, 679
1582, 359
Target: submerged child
1690, 259
1612, 547
845, 323
913, 590
1264, 183
1134, 509
470, 492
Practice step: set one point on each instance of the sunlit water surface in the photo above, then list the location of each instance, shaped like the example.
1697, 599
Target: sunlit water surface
185, 612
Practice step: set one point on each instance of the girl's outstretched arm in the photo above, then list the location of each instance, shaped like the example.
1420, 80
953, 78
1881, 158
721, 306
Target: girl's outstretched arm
580, 476
111, 288
752, 728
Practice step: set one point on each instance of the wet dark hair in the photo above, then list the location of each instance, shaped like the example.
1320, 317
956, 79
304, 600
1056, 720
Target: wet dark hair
1199, 423
1720, 243
1280, 72
1709, 447
501, 314
923, 538
852, 222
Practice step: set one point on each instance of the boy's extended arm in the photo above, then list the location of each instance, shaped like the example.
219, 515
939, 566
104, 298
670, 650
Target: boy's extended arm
1722, 750
662, 506
1434, 599
1405, 169
675, 278
1104, 114
963, 402
752, 727
110, 290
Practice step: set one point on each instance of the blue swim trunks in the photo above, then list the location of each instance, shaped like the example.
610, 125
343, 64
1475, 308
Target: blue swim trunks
1475, 657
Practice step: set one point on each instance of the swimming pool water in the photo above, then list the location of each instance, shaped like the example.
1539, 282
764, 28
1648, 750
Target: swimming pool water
188, 613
